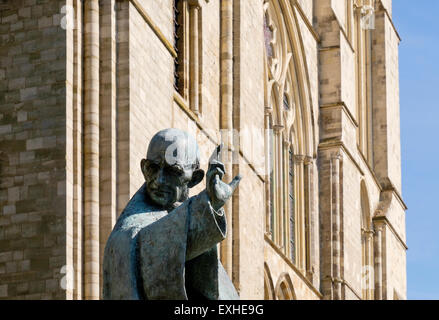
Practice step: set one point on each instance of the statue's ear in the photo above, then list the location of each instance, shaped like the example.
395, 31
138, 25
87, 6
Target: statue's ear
143, 166
197, 177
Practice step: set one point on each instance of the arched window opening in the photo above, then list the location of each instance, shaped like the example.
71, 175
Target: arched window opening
284, 288
288, 118
269, 293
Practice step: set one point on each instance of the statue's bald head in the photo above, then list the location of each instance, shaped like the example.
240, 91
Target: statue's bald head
171, 167
175, 147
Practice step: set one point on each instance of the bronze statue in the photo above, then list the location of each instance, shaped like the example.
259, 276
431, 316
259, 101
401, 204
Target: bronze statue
163, 245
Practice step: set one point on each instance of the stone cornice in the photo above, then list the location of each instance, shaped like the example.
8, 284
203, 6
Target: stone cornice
386, 221
342, 105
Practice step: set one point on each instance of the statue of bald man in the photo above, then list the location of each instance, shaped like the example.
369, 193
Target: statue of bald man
163, 245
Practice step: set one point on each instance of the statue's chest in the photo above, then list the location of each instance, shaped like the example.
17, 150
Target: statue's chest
142, 219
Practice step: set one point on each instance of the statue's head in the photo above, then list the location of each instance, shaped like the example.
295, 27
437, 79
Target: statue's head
171, 167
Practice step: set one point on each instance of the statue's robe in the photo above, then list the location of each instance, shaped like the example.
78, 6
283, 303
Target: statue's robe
152, 254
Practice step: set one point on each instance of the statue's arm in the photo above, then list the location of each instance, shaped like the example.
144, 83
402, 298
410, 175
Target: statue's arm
207, 220
206, 226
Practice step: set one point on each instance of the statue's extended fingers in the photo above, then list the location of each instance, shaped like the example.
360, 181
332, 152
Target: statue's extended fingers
216, 155
215, 171
220, 171
235, 182
217, 165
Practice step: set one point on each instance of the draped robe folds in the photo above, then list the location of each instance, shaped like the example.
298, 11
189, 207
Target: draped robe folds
152, 254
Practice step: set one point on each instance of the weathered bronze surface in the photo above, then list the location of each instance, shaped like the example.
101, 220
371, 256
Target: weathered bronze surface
163, 245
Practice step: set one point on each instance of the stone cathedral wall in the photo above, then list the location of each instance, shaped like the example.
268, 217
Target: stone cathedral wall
33, 143
43, 242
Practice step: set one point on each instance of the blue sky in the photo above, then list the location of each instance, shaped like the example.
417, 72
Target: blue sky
417, 24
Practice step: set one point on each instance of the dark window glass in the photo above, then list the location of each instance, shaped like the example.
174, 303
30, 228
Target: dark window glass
271, 159
178, 45
268, 36
292, 208
286, 103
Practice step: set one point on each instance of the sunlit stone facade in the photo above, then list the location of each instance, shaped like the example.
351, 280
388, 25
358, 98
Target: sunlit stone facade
304, 94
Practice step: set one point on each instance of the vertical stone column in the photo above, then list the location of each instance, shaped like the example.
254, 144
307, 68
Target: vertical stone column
279, 204
268, 168
336, 245
77, 151
360, 66
91, 149
107, 134
194, 9
378, 262
309, 219
368, 273
299, 161
226, 120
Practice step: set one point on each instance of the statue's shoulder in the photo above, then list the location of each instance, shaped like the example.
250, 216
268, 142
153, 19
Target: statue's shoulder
139, 212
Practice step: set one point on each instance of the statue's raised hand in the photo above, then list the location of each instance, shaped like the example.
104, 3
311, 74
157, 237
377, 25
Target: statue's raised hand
219, 192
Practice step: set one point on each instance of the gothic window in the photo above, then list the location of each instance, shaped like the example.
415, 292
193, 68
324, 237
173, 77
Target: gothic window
287, 194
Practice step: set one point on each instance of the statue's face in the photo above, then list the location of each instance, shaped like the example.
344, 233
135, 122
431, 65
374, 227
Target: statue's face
166, 183
170, 167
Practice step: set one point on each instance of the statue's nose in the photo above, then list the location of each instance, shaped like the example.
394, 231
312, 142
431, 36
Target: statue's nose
161, 176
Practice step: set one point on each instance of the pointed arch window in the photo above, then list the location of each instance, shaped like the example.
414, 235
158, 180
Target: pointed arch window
288, 196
